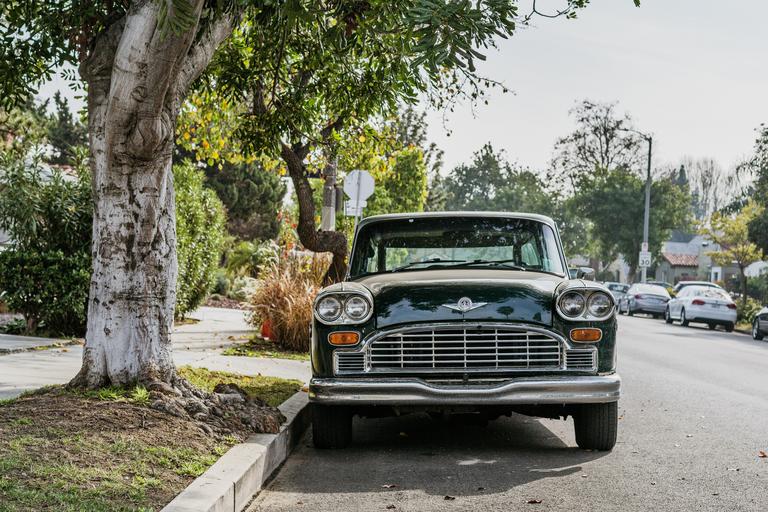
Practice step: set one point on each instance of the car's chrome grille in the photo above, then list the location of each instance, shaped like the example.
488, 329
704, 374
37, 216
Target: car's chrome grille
467, 348
349, 362
580, 359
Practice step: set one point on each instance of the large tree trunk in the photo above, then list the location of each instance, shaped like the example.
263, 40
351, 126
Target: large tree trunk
136, 80
310, 237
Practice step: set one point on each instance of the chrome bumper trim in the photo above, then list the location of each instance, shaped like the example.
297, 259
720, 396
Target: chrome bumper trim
412, 391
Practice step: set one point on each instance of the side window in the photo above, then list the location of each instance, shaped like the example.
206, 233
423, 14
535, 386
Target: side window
529, 255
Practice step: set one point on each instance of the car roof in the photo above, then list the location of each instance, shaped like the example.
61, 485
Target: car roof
472, 214
682, 284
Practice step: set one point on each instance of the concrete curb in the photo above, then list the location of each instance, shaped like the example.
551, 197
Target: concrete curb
229, 485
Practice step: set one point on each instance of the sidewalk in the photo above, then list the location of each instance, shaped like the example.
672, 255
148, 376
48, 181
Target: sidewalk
198, 344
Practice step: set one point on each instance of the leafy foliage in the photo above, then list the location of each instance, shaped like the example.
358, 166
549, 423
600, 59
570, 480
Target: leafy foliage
45, 273
249, 258
731, 233
614, 204
200, 224
252, 196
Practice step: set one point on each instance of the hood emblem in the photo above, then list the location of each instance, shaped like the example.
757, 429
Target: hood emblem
465, 304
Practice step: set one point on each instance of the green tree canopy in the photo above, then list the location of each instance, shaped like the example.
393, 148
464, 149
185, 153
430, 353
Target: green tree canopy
614, 204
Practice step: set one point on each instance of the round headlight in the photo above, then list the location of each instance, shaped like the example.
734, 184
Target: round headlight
329, 308
599, 304
572, 304
356, 307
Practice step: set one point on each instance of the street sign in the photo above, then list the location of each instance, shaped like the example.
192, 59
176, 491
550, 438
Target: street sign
644, 246
354, 210
645, 259
358, 185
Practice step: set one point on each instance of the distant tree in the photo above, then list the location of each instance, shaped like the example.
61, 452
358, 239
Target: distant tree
731, 233
474, 186
758, 166
64, 132
603, 141
614, 205
252, 196
712, 188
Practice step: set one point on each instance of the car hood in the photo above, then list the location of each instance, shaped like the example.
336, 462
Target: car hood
422, 296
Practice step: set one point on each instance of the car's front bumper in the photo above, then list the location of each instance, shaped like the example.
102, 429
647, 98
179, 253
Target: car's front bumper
516, 391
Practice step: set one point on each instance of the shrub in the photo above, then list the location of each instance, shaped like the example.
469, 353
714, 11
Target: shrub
221, 283
49, 288
243, 288
284, 299
248, 258
45, 273
200, 223
252, 196
746, 311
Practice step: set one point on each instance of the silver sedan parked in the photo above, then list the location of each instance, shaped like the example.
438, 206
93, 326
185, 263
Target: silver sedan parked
760, 324
650, 299
703, 304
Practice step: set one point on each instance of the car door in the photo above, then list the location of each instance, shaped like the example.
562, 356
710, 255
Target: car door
675, 304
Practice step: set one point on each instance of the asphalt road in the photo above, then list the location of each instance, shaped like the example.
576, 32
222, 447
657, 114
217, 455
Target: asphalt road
694, 417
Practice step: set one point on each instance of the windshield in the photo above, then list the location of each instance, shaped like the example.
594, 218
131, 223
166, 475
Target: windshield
617, 287
709, 292
650, 289
441, 242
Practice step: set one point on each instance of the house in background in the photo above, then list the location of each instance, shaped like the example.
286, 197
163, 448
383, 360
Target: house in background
685, 256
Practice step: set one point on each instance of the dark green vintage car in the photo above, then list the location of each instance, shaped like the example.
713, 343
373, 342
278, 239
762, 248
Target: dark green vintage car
463, 313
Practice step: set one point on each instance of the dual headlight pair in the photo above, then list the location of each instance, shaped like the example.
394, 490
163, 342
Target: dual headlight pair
588, 304
339, 308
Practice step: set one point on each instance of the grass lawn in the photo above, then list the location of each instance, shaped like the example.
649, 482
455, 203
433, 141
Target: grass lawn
259, 347
106, 450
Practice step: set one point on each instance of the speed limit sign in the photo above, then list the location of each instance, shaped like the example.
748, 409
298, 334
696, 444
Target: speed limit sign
645, 259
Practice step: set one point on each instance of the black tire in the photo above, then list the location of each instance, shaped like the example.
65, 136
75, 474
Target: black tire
667, 316
629, 310
728, 327
683, 321
331, 426
712, 327
596, 426
756, 334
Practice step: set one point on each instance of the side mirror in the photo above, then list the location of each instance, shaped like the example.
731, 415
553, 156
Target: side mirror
585, 273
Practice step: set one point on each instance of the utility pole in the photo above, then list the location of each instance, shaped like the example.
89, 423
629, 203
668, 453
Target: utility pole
328, 213
647, 213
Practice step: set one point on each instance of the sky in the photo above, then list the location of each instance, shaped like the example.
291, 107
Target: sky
690, 72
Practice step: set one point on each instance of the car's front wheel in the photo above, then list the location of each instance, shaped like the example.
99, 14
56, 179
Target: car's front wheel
667, 316
331, 426
683, 320
596, 426
756, 334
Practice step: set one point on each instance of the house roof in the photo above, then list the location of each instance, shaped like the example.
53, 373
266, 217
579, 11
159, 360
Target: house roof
681, 260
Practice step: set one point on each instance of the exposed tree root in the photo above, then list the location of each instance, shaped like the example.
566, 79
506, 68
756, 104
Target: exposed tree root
228, 410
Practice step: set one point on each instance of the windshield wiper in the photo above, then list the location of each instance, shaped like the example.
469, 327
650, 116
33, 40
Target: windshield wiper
495, 263
426, 262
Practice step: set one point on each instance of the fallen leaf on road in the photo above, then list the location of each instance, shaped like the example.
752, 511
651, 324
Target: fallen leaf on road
688, 435
715, 494
449, 498
533, 502
481, 488
762, 454
733, 469
389, 486
653, 483
391, 507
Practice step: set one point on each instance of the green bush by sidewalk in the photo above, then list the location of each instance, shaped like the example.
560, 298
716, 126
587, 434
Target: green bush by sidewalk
45, 273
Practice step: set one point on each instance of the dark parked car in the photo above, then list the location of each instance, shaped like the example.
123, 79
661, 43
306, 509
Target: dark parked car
650, 299
618, 290
463, 312
760, 324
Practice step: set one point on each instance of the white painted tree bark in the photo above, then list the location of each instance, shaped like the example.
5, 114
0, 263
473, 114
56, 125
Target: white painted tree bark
137, 80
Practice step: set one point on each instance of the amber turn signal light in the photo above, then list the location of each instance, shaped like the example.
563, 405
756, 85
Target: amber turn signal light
587, 335
343, 338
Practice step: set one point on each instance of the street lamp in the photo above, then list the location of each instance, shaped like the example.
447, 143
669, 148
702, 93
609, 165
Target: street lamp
647, 212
